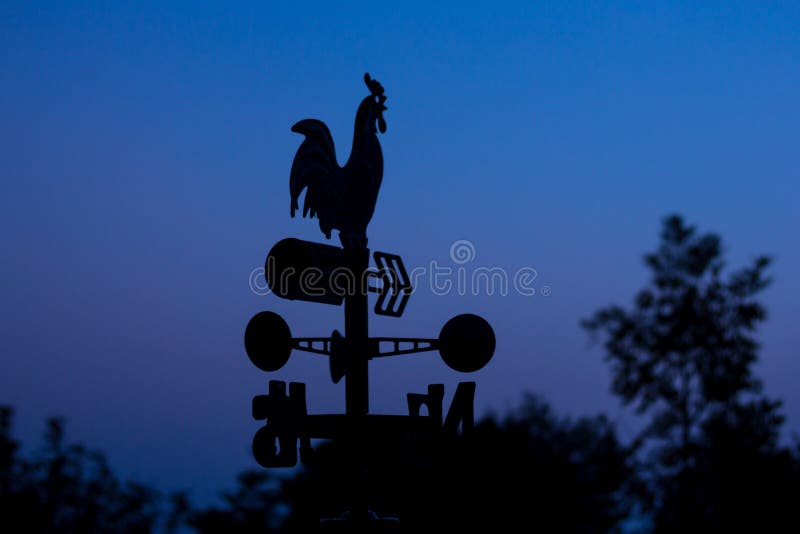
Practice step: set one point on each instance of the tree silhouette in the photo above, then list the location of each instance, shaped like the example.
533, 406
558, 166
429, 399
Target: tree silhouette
528, 470
257, 505
67, 488
684, 355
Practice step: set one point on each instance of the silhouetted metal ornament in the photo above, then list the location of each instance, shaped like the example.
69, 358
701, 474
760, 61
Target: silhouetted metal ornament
338, 357
396, 285
265, 449
312, 272
342, 198
268, 341
466, 343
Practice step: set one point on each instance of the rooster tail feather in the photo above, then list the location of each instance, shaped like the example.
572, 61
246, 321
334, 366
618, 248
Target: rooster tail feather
313, 165
318, 131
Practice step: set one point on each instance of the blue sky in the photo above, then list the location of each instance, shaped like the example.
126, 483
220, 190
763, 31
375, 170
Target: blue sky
145, 152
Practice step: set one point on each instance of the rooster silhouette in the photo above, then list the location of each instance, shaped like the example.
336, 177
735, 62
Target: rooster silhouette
343, 198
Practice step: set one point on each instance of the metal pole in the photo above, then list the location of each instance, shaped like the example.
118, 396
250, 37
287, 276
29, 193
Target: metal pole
356, 333
356, 328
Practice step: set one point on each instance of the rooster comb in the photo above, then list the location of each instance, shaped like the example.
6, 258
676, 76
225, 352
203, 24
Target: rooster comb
374, 87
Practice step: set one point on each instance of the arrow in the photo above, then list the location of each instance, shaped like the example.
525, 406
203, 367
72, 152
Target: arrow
396, 284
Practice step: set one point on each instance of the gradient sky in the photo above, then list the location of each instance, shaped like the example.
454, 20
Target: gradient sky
145, 152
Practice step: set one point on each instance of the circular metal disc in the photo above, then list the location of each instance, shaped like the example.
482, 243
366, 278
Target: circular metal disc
466, 343
268, 341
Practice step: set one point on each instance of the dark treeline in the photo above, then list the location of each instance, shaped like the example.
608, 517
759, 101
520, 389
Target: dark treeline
709, 458
527, 467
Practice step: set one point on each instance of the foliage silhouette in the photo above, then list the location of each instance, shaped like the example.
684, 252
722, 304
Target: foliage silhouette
257, 505
684, 355
68, 488
529, 468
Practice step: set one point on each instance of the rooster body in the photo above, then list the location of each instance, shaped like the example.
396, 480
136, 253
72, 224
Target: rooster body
343, 198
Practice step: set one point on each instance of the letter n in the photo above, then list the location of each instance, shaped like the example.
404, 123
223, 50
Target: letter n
461, 409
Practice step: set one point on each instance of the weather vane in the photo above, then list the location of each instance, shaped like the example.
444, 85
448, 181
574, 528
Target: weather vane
343, 199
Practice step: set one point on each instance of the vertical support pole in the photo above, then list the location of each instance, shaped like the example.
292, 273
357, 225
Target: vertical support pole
356, 333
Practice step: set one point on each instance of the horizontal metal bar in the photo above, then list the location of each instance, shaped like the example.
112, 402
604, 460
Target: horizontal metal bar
297, 344
306, 344
329, 426
430, 344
